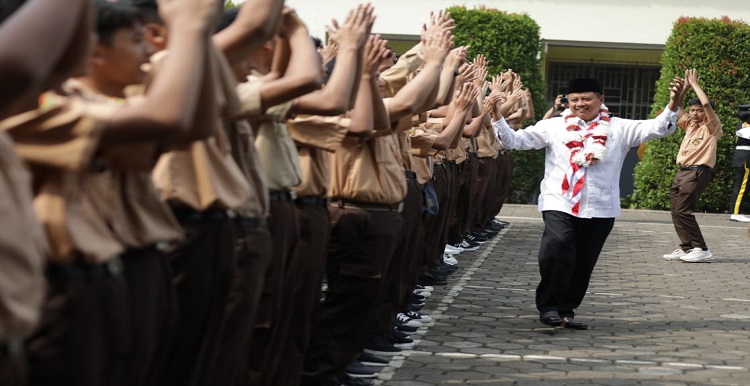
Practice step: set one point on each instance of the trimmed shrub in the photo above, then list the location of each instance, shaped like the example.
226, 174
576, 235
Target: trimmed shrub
509, 40
718, 49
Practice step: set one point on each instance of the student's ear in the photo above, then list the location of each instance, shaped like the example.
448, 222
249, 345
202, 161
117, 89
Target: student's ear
156, 35
97, 57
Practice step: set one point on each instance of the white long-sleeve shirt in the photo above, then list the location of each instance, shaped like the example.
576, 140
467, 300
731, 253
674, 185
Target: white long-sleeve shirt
600, 196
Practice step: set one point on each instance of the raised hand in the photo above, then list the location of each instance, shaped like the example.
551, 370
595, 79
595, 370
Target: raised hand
375, 51
438, 22
456, 57
465, 95
436, 46
481, 61
676, 93
329, 51
355, 29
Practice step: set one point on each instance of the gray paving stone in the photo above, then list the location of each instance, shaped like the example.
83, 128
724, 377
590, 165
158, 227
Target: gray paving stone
654, 322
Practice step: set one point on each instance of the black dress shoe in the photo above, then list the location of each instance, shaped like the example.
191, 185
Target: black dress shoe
550, 318
569, 322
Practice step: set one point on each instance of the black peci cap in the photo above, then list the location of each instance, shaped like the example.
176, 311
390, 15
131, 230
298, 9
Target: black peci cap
584, 85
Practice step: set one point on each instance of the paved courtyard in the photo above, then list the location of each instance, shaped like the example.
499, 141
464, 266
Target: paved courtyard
653, 322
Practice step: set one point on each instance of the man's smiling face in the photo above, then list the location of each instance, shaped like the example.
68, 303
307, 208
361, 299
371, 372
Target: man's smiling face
585, 105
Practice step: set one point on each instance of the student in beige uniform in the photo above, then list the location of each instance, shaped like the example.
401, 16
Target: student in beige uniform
372, 193
82, 336
147, 225
317, 132
457, 234
203, 185
412, 94
47, 29
486, 155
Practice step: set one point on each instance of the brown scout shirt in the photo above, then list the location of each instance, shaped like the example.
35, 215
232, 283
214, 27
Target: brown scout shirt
422, 151
368, 171
243, 149
59, 141
275, 147
140, 217
698, 148
23, 246
316, 136
486, 147
203, 175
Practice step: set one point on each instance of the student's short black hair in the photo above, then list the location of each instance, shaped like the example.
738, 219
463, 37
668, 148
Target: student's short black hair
7, 7
149, 9
111, 17
227, 18
697, 102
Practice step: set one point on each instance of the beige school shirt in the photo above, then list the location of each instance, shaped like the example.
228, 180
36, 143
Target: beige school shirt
698, 148
422, 141
139, 218
274, 145
59, 141
23, 246
368, 171
203, 175
242, 138
486, 142
316, 137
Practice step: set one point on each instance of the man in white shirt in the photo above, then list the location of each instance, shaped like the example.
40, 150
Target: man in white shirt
580, 193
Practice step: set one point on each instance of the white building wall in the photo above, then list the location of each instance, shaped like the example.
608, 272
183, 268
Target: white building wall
618, 21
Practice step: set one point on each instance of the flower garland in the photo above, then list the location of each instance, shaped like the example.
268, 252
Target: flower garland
582, 153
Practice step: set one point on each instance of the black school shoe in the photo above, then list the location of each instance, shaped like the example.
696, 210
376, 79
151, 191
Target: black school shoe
372, 360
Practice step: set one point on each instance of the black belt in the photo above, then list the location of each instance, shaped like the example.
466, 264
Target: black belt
697, 167
410, 175
471, 154
312, 201
11, 348
112, 267
252, 222
279, 196
184, 215
368, 205
440, 165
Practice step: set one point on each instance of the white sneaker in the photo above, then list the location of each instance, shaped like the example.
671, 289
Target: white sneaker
697, 255
449, 259
739, 217
451, 250
675, 255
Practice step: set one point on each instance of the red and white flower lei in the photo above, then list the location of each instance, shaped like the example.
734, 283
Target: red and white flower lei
587, 147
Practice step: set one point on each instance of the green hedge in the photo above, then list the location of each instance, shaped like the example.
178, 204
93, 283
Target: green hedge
718, 49
509, 40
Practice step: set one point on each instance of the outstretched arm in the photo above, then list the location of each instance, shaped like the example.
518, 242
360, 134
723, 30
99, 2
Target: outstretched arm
33, 39
340, 90
169, 105
256, 22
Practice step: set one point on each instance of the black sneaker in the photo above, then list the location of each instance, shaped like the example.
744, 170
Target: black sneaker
475, 238
432, 280
378, 345
374, 360
358, 369
399, 341
406, 329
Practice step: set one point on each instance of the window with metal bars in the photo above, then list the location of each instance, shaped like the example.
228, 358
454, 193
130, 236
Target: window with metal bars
629, 89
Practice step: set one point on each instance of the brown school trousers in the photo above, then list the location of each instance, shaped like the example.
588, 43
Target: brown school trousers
359, 251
